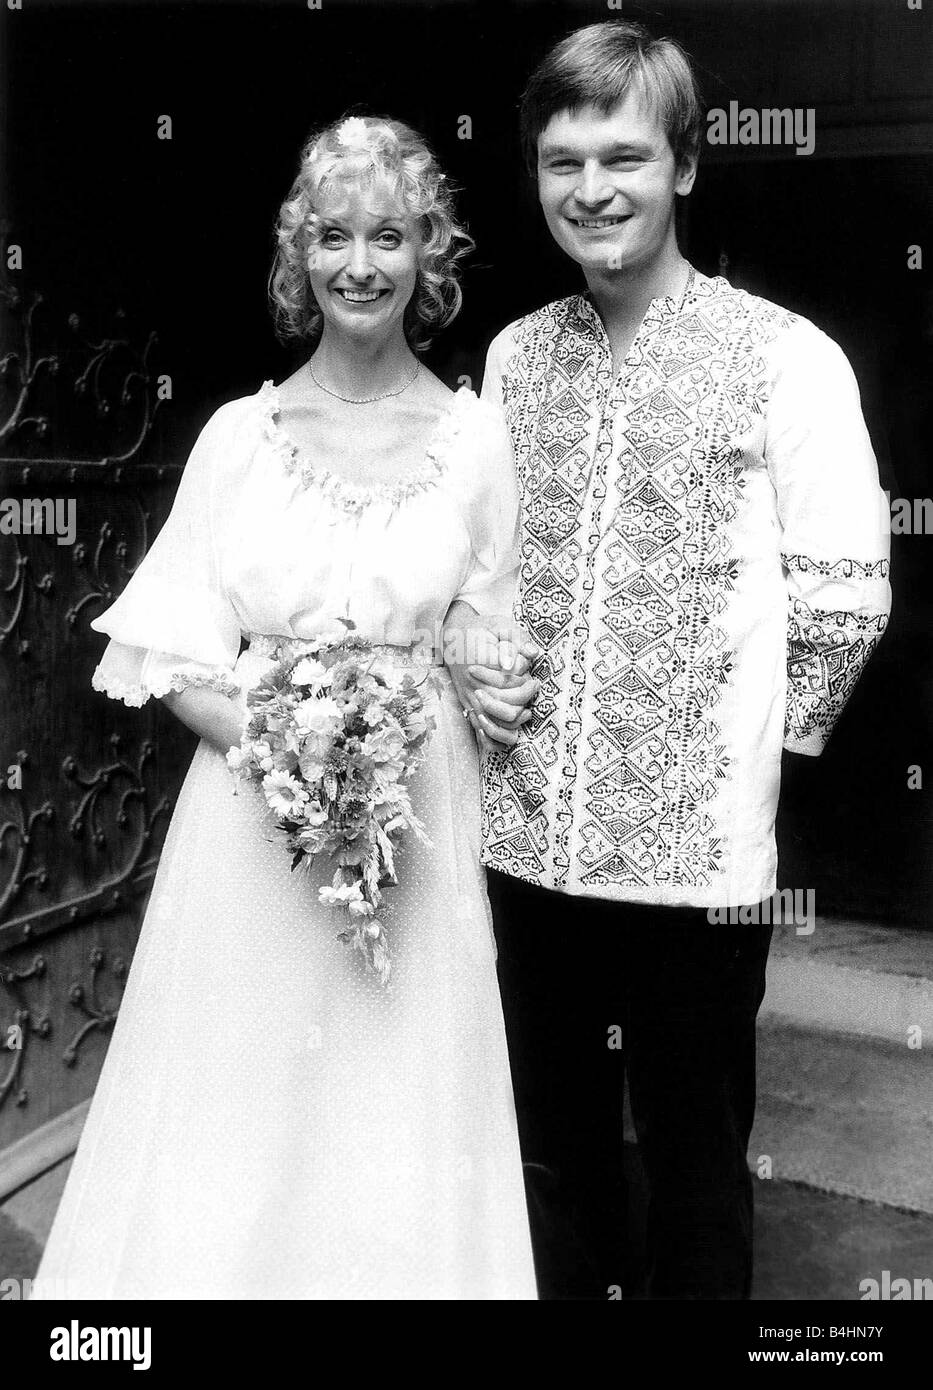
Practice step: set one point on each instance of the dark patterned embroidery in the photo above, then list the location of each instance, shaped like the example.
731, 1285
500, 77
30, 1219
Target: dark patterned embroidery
836, 569
631, 489
826, 653
625, 574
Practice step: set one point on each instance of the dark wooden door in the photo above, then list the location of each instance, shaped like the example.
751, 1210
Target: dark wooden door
86, 784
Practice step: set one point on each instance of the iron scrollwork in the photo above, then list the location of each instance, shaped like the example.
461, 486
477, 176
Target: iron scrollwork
79, 841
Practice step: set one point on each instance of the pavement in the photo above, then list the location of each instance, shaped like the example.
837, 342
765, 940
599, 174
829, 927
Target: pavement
810, 1245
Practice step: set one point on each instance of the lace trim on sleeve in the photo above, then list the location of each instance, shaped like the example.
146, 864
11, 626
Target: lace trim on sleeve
136, 695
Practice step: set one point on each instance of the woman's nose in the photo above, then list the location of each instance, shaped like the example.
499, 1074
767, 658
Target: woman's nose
361, 266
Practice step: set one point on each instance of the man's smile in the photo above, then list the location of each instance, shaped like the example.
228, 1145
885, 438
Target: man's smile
599, 223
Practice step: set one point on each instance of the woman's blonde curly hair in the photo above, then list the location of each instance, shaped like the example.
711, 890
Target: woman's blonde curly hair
359, 150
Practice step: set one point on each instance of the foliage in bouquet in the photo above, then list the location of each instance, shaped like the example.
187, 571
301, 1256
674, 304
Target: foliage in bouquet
333, 735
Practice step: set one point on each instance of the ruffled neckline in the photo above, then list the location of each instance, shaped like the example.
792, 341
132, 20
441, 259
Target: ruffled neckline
355, 498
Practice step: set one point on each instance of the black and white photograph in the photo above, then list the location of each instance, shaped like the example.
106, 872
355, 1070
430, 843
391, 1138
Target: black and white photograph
466, 541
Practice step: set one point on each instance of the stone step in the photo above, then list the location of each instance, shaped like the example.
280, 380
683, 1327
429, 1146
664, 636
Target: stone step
854, 979
845, 1070
845, 1064
845, 1114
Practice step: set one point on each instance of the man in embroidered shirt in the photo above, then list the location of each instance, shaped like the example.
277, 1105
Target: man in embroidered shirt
704, 567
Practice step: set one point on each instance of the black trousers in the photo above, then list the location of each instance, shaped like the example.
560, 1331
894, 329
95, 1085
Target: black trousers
596, 993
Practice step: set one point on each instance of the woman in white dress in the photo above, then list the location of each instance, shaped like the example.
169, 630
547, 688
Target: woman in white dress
270, 1121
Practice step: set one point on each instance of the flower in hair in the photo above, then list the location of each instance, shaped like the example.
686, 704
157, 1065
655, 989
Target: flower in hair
353, 133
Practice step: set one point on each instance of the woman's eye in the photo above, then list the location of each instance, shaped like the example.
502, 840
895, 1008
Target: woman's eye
389, 239
331, 239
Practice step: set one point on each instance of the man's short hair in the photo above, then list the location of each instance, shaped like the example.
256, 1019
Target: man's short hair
597, 66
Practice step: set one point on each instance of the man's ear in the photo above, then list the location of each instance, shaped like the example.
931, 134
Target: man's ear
686, 174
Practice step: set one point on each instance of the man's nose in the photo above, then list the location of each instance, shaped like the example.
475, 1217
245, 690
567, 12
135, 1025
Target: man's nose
593, 187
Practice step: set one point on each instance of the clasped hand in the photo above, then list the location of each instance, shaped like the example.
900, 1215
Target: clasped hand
489, 664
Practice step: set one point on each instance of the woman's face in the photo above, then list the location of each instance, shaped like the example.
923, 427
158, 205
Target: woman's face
364, 267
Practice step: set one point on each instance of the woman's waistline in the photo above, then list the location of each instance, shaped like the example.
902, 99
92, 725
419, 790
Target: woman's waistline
274, 645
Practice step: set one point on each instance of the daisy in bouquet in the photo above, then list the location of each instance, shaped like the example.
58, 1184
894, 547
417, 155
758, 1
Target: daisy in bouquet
332, 736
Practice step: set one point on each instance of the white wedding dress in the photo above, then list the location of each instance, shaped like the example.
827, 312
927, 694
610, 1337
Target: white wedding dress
270, 1122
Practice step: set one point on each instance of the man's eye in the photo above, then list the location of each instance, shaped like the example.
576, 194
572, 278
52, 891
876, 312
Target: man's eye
630, 161
562, 166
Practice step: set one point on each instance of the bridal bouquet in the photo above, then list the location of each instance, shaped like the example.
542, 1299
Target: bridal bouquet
332, 737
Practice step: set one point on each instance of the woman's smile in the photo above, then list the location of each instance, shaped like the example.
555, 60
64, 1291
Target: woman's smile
361, 296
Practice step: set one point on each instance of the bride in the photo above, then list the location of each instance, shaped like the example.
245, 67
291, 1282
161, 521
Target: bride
271, 1122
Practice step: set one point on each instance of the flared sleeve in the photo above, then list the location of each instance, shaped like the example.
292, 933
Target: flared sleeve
493, 515
835, 532
173, 625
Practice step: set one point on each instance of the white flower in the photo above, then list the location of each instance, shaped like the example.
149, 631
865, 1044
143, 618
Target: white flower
341, 896
374, 714
308, 672
318, 717
353, 134
312, 766
311, 840
262, 752
385, 745
314, 815
386, 790
238, 758
360, 908
282, 734
283, 793
291, 743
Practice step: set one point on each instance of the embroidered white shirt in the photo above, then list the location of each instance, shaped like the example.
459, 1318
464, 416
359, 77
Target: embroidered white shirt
704, 563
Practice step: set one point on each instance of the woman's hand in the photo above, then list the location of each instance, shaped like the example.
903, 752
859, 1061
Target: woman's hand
489, 664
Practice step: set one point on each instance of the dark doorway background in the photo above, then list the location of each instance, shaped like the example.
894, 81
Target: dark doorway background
177, 234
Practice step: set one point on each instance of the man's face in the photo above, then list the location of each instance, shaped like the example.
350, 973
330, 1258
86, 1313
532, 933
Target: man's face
607, 185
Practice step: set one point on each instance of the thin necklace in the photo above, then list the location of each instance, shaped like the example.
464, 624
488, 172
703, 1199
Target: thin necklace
364, 400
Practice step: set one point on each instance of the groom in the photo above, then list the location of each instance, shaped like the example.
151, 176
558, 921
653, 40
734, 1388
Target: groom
704, 571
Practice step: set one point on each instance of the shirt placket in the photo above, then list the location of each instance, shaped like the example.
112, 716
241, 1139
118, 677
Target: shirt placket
583, 634
611, 408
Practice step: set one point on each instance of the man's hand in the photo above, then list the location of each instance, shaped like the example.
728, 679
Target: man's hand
489, 664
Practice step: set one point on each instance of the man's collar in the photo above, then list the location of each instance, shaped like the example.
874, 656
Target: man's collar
662, 306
